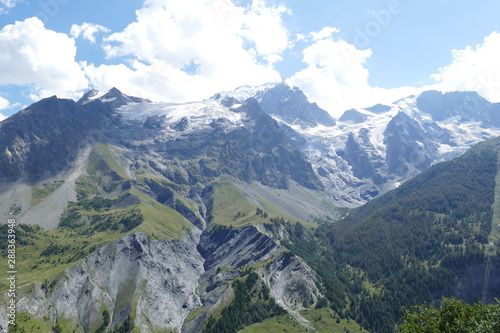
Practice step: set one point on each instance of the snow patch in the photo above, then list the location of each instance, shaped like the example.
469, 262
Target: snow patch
197, 115
245, 92
107, 100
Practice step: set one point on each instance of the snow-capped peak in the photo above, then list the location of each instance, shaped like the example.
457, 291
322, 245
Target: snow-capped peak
96, 94
243, 93
111, 95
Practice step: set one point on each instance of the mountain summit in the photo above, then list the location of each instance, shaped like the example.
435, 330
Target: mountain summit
113, 96
281, 101
225, 213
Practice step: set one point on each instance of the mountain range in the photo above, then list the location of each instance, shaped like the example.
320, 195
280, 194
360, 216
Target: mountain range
239, 212
367, 152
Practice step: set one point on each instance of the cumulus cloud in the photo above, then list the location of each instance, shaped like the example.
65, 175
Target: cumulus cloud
475, 69
157, 81
87, 31
336, 77
258, 23
4, 103
31, 55
191, 49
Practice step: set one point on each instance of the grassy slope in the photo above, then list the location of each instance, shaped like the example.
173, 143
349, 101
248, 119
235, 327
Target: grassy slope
160, 222
233, 205
44, 190
32, 266
323, 320
110, 159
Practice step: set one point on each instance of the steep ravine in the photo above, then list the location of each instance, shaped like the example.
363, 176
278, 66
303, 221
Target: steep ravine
227, 252
167, 284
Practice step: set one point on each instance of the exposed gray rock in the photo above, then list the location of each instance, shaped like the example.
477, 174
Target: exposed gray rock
158, 277
292, 105
354, 116
379, 108
466, 105
163, 281
226, 251
291, 281
358, 158
409, 146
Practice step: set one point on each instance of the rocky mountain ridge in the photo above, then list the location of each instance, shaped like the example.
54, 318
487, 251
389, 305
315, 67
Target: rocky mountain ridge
157, 212
370, 151
157, 186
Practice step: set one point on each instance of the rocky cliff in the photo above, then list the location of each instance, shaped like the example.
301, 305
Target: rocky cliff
167, 284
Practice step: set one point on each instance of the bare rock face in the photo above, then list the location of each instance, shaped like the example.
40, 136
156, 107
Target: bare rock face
292, 105
291, 281
161, 282
155, 279
228, 251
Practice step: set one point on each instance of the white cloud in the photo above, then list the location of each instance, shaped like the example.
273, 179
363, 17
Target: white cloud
193, 49
326, 32
31, 55
336, 77
475, 69
87, 31
263, 27
9, 3
4, 103
6, 5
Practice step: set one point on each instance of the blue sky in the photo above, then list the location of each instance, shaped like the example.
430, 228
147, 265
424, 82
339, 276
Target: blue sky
342, 54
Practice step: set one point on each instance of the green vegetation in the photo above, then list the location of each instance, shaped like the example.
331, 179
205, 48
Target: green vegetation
103, 173
322, 321
160, 221
42, 255
26, 323
252, 303
38, 193
103, 159
405, 248
277, 324
87, 186
418, 239
93, 215
90, 223
105, 322
494, 235
231, 207
15, 209
125, 327
314, 248
327, 321
452, 316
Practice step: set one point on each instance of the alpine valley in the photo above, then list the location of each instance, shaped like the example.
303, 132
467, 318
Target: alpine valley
251, 211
